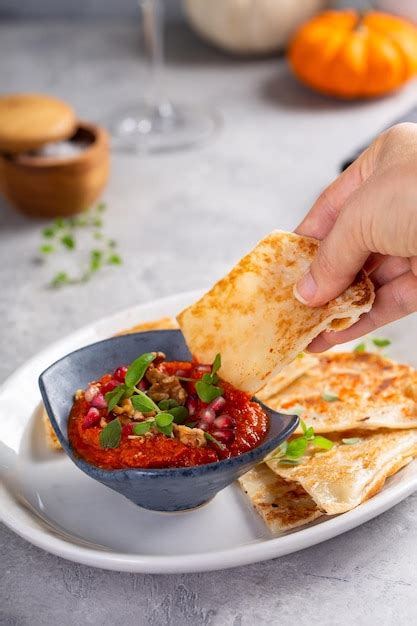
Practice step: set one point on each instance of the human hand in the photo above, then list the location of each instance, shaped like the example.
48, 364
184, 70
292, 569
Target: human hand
367, 218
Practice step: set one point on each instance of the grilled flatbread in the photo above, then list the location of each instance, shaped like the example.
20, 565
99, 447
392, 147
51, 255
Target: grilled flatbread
160, 324
352, 390
288, 375
340, 479
282, 504
253, 318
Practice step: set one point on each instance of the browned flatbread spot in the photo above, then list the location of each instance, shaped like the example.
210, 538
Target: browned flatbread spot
282, 504
253, 319
373, 392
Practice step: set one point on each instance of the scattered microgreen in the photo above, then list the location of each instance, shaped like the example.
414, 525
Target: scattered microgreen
179, 413
64, 231
292, 452
113, 397
216, 442
328, 396
350, 441
137, 369
142, 427
360, 347
165, 405
114, 259
68, 241
381, 343
190, 424
111, 434
206, 388
143, 403
46, 248
60, 279
163, 422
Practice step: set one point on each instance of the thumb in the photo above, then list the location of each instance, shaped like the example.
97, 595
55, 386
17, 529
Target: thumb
339, 258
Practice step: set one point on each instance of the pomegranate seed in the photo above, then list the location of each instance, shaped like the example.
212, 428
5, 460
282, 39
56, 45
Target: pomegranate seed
109, 386
183, 373
202, 425
225, 435
203, 368
99, 402
120, 373
217, 404
224, 421
207, 415
90, 392
91, 418
127, 430
191, 404
143, 385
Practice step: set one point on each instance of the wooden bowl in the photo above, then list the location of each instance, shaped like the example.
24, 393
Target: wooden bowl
45, 186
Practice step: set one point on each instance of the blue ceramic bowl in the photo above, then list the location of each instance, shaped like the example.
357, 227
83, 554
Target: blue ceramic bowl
171, 489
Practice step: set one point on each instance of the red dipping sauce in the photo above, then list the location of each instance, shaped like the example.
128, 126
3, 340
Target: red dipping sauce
239, 426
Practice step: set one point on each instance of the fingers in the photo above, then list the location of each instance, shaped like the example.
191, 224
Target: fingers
322, 216
390, 268
339, 258
393, 301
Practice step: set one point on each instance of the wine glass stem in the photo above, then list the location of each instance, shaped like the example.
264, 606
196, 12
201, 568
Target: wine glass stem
153, 37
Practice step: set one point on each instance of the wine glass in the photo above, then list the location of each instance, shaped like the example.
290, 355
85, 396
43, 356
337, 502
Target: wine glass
156, 124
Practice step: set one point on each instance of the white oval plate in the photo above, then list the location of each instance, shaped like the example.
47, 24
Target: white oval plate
51, 503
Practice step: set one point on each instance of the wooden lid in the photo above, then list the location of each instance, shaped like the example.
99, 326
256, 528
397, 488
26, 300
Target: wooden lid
29, 120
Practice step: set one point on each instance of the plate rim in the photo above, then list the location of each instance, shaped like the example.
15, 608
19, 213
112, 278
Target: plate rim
245, 554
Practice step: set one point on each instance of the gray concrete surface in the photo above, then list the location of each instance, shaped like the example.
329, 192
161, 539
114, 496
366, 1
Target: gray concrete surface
182, 219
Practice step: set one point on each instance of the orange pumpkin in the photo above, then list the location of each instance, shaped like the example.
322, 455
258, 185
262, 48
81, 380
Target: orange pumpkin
352, 55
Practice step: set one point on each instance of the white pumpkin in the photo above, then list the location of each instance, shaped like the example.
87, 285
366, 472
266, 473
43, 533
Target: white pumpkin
249, 26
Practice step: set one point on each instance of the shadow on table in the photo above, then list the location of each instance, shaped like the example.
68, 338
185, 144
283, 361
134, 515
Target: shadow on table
283, 90
12, 220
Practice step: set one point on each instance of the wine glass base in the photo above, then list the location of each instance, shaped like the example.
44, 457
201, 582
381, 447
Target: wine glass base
162, 128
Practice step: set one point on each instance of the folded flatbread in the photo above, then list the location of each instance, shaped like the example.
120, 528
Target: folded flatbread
352, 390
286, 376
340, 479
252, 318
282, 504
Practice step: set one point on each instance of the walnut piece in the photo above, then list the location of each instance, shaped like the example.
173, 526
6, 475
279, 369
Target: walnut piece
164, 386
193, 437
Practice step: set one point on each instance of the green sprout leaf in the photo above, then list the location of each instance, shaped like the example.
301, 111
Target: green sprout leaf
292, 452
68, 241
114, 259
60, 279
48, 232
96, 260
137, 369
113, 397
216, 442
360, 347
165, 405
217, 363
381, 343
142, 427
46, 248
111, 434
179, 413
322, 442
350, 441
207, 393
163, 423
328, 396
101, 207
141, 402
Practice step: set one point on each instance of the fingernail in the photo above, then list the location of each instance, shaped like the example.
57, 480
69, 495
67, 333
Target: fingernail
305, 289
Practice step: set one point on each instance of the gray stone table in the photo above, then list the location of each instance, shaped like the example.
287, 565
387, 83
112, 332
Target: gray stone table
182, 219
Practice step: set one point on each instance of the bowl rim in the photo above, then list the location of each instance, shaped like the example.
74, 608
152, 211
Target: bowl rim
293, 422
